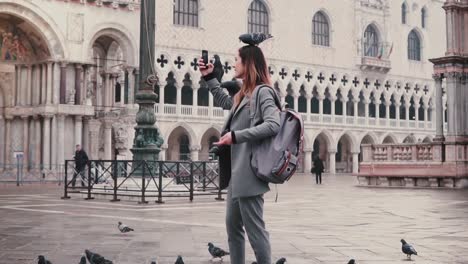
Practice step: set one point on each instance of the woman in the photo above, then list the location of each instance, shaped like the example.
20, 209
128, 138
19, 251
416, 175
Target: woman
244, 207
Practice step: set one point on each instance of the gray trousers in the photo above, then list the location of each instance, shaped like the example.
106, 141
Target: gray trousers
247, 212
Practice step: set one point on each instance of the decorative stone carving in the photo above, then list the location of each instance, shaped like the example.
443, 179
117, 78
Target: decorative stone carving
75, 27
71, 97
120, 136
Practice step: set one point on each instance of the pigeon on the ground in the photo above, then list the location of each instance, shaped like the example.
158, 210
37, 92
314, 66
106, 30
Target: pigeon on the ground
95, 258
218, 70
351, 261
179, 260
83, 260
124, 228
281, 261
231, 86
408, 249
216, 252
254, 38
42, 260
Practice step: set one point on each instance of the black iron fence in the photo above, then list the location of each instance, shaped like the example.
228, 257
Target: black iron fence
144, 180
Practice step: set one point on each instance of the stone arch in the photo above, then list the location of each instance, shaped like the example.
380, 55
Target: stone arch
322, 143
389, 139
120, 35
427, 139
410, 139
369, 138
345, 146
41, 23
179, 142
206, 141
191, 133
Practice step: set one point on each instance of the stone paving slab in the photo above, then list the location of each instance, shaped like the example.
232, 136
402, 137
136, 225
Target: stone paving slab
310, 223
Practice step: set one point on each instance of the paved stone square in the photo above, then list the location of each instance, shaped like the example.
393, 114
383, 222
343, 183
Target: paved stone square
310, 223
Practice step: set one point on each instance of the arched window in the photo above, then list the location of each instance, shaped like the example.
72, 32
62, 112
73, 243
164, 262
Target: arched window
258, 20
414, 46
423, 17
371, 42
403, 13
186, 12
320, 30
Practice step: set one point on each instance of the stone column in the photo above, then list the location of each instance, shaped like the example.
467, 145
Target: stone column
78, 80
44, 83
19, 85
85, 139
387, 111
309, 105
78, 130
94, 127
136, 73
107, 139
416, 111
426, 112
407, 105
50, 83
56, 83
345, 109
2, 140
46, 141
307, 160
355, 162
296, 102
162, 154
36, 85
37, 141
126, 86
195, 101
106, 91
332, 167
63, 83
194, 152
8, 155
377, 112
29, 86
61, 139
25, 141
54, 146
439, 108
332, 106
321, 98
366, 110
355, 110
210, 105
15, 94
178, 100
162, 84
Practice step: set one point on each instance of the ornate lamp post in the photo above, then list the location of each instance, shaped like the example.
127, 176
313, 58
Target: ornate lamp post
148, 140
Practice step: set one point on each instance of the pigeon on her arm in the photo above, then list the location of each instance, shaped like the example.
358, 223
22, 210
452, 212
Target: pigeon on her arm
42, 260
179, 260
95, 258
231, 86
408, 249
216, 252
218, 70
254, 39
281, 261
83, 260
124, 228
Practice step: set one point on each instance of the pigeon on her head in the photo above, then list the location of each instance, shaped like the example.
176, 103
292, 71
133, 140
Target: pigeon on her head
83, 260
254, 39
95, 258
281, 261
42, 260
179, 260
216, 252
124, 228
408, 249
351, 261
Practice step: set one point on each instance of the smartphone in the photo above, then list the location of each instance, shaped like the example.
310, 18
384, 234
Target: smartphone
205, 56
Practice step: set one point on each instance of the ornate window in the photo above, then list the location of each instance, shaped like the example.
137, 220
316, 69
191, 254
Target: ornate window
371, 42
414, 46
258, 19
186, 13
320, 30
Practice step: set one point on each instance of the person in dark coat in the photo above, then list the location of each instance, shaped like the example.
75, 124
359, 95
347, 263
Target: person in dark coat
318, 169
81, 159
244, 127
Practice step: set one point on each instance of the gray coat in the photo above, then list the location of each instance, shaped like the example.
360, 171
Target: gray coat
243, 182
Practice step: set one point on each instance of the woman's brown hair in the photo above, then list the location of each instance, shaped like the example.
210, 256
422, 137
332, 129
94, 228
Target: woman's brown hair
256, 71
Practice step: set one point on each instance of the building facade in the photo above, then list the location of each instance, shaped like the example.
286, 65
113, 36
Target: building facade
357, 70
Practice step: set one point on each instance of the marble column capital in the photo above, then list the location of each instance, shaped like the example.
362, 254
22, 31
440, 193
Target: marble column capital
24, 117
48, 116
195, 148
63, 64
78, 118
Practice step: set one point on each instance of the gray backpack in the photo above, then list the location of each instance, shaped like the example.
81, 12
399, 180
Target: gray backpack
275, 159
